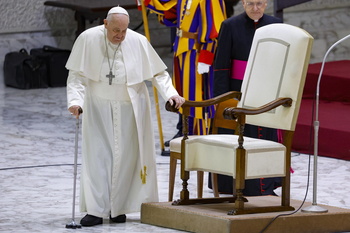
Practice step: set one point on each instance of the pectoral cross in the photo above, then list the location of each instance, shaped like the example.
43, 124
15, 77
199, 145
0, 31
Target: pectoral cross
110, 76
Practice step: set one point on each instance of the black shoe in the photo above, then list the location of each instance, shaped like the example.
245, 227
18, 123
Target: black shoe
118, 219
165, 153
90, 220
178, 134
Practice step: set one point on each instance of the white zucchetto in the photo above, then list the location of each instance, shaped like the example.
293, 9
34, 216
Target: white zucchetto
118, 10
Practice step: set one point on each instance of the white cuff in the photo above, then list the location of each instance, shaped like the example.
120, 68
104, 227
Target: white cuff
202, 68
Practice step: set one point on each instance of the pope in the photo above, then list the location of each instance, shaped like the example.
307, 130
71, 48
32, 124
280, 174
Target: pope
108, 67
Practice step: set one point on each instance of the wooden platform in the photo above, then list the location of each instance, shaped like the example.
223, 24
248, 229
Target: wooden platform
213, 218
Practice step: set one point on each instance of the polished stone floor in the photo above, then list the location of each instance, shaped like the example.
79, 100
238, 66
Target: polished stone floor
36, 172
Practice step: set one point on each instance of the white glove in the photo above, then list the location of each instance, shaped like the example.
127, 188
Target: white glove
202, 68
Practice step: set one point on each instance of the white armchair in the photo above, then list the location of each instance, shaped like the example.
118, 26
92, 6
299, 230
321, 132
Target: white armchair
271, 95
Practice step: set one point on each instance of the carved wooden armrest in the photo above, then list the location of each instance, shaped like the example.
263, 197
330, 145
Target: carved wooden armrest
233, 113
205, 103
239, 114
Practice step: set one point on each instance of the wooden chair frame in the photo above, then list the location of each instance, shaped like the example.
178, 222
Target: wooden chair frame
185, 175
238, 115
217, 122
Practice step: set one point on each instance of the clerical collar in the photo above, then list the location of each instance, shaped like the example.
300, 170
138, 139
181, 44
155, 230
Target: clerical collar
254, 20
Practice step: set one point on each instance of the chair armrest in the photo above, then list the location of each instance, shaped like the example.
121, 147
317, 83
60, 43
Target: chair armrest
234, 113
239, 114
205, 103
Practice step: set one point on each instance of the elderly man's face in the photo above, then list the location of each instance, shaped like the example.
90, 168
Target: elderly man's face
254, 8
116, 25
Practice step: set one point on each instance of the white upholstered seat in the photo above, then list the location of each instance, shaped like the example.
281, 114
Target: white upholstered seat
217, 154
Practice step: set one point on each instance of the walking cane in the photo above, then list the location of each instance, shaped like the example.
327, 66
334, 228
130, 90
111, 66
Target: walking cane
73, 224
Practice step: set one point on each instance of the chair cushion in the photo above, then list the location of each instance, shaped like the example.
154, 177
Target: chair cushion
175, 144
217, 153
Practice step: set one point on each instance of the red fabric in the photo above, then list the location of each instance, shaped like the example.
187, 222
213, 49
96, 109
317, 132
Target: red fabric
333, 115
335, 81
334, 130
171, 14
206, 57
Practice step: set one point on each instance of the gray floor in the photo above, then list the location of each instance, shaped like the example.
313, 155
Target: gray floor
36, 129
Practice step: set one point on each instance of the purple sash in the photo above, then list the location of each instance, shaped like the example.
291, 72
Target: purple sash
238, 69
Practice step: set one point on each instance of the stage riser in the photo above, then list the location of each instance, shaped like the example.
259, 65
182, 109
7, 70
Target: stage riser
212, 218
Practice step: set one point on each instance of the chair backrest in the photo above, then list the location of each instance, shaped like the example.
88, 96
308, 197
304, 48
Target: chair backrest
276, 67
219, 121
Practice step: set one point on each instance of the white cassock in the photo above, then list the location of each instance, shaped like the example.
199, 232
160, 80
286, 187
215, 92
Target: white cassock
118, 168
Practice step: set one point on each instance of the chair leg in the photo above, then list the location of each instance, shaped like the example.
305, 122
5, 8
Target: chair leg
214, 182
240, 178
200, 175
172, 172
